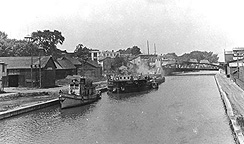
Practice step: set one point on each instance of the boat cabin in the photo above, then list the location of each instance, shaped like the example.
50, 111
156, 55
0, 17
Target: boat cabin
81, 86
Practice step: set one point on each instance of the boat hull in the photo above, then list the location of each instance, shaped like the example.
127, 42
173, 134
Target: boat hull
67, 100
130, 86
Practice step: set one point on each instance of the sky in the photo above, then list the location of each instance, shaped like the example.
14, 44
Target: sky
179, 26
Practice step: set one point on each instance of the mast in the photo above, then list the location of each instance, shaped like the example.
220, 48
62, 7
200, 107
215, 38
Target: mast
155, 52
147, 47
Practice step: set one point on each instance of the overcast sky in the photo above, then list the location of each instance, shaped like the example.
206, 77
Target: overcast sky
179, 26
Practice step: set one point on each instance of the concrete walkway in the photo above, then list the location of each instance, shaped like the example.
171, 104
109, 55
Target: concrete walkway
20, 100
234, 93
15, 98
233, 98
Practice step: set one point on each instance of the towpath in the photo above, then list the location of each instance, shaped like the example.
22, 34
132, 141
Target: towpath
234, 93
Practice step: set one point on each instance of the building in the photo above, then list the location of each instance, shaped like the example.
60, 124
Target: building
238, 53
93, 54
204, 61
228, 55
3, 75
193, 60
232, 59
111, 54
76, 63
90, 69
144, 59
21, 73
106, 63
64, 68
146, 63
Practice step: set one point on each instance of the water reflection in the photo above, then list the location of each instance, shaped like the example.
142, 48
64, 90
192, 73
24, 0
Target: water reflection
76, 112
127, 96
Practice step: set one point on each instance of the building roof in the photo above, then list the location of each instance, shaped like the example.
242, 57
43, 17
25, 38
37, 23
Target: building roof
146, 56
193, 60
24, 62
204, 61
93, 63
229, 52
232, 61
75, 61
133, 57
58, 66
238, 49
65, 63
103, 59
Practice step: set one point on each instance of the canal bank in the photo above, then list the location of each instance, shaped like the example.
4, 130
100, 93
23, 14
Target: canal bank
231, 94
17, 101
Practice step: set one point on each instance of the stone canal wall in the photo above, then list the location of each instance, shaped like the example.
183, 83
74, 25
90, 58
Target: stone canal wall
37, 105
26, 109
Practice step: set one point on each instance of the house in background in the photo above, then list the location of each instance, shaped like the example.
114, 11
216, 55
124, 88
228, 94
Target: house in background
3, 75
76, 62
20, 73
93, 54
90, 69
146, 63
111, 54
64, 68
193, 60
106, 63
228, 55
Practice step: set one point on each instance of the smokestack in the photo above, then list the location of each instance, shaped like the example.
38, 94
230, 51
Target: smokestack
147, 47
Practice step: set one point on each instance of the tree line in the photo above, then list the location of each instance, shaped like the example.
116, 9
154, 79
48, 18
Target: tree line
198, 55
48, 41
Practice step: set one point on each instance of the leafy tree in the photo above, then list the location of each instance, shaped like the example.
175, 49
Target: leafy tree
135, 50
82, 52
48, 40
3, 35
118, 62
170, 56
199, 55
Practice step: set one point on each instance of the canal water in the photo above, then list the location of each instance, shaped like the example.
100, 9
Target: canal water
185, 109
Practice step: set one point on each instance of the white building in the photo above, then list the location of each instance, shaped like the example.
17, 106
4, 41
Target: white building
94, 54
238, 53
111, 54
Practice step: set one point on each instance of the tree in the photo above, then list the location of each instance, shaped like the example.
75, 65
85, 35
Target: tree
48, 40
135, 50
170, 56
3, 35
199, 55
118, 62
82, 52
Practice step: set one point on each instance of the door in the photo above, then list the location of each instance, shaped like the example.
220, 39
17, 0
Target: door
13, 81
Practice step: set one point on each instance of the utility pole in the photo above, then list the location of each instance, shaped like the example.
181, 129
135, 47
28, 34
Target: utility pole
29, 39
40, 69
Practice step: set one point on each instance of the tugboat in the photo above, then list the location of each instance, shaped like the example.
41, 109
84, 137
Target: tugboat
129, 83
81, 92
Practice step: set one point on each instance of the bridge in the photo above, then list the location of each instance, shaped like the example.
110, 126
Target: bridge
190, 66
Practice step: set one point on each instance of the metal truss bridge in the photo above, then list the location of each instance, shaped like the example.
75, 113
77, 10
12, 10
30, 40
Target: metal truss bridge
190, 66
